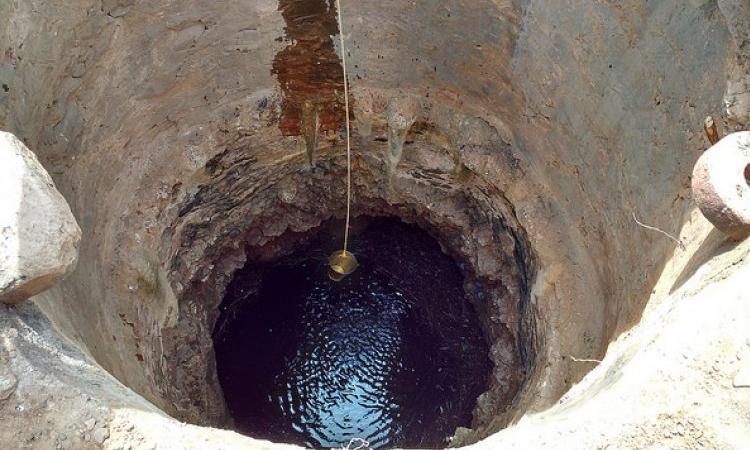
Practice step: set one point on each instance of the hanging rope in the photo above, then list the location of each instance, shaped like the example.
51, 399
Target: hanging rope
342, 262
348, 136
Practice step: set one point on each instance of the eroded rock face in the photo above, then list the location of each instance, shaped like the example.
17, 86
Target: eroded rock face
38, 234
231, 219
737, 98
8, 380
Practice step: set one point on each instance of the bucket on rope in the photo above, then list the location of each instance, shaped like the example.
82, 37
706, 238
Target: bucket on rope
341, 263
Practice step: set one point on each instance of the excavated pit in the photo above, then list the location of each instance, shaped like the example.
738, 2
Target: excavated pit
197, 143
476, 231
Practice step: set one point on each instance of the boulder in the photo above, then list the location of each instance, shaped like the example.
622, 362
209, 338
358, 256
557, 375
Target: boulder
39, 236
721, 184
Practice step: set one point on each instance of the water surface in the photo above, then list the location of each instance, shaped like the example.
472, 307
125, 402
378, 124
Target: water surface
393, 354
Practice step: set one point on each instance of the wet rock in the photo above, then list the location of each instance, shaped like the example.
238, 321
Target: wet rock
39, 236
402, 113
308, 69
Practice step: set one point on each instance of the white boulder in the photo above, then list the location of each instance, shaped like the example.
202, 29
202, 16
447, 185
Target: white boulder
39, 236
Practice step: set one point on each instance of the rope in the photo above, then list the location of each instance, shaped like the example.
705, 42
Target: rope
348, 139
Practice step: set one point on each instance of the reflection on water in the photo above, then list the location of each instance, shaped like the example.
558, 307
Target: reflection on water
392, 354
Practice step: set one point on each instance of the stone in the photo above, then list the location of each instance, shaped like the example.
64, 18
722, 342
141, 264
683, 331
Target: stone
8, 382
100, 435
78, 70
63, 443
721, 185
737, 95
89, 424
116, 8
39, 236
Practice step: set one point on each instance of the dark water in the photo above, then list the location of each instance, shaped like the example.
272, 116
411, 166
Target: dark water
393, 354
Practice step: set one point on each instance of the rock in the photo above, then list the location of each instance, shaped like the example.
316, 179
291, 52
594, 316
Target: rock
78, 70
116, 8
89, 424
39, 236
100, 435
8, 382
721, 184
63, 443
737, 96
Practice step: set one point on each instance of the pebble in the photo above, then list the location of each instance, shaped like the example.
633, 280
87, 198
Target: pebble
90, 424
63, 443
100, 435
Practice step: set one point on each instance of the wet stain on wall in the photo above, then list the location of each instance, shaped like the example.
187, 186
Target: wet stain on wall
308, 69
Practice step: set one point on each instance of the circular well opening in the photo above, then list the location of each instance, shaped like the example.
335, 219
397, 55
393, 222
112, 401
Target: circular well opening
394, 354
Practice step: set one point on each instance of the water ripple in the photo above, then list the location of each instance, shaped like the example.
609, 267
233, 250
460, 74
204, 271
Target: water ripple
397, 360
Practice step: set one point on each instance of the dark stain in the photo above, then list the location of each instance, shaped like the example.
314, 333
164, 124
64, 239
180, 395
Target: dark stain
309, 70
